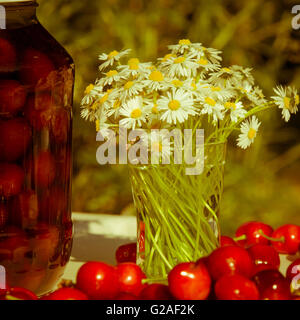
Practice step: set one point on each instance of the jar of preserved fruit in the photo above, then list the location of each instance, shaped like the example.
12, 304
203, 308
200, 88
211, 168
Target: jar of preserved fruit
36, 96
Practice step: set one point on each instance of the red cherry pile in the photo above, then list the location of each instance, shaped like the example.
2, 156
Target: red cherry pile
243, 268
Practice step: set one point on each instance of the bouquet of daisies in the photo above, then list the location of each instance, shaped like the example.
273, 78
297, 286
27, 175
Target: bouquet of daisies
188, 87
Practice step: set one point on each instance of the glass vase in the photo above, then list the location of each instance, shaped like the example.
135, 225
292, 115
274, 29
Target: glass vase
177, 214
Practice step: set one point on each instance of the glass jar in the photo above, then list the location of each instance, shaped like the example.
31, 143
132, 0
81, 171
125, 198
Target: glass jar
36, 92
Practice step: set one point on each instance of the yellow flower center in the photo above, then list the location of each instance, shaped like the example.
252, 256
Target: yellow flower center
104, 98
184, 42
133, 63
117, 104
210, 101
168, 56
112, 54
179, 60
89, 88
154, 109
156, 76
111, 73
136, 113
286, 101
251, 133
230, 105
226, 70
202, 62
128, 85
97, 123
174, 105
215, 88
193, 85
297, 100
177, 83
95, 105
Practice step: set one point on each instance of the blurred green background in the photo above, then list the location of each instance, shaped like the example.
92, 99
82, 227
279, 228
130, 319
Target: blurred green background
261, 183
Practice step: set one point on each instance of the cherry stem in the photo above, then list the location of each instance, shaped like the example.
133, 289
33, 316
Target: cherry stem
281, 239
242, 237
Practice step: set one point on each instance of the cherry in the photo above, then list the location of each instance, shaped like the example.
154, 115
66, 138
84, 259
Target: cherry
227, 241
278, 290
126, 253
24, 209
44, 169
12, 97
264, 257
126, 296
293, 274
290, 239
39, 111
253, 233
66, 294
8, 57
3, 215
130, 278
11, 179
156, 291
266, 278
229, 260
17, 294
98, 280
15, 136
35, 67
189, 281
236, 287
60, 124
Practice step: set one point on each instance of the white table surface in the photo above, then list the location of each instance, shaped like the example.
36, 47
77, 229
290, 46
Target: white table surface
97, 236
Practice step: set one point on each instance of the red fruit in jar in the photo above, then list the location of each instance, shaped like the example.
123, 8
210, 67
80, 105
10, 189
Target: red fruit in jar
156, 291
12, 97
24, 209
44, 167
130, 278
253, 232
14, 244
60, 123
264, 257
278, 290
126, 296
11, 179
8, 57
229, 260
98, 280
266, 278
290, 239
293, 274
3, 215
227, 241
44, 240
17, 294
66, 294
236, 287
35, 67
126, 253
39, 110
15, 136
189, 281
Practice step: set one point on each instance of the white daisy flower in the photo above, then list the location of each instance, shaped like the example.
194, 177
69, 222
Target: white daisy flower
110, 77
156, 81
130, 88
210, 54
225, 77
134, 112
212, 107
245, 74
204, 66
135, 68
113, 108
102, 125
215, 92
111, 58
184, 45
179, 67
287, 99
236, 109
249, 130
176, 106
91, 92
